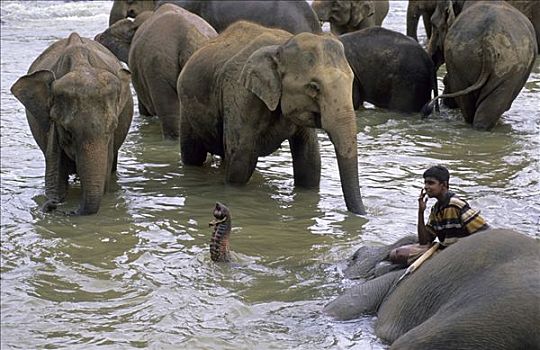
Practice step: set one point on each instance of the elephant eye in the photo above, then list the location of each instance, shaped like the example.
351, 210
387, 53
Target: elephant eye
313, 88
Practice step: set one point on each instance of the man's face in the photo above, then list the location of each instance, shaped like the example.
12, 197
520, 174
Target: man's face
434, 187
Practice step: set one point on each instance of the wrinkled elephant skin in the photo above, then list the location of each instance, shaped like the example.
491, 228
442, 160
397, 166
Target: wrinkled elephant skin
479, 293
292, 16
79, 107
253, 87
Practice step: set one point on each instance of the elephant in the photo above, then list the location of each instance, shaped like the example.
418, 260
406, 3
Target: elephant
129, 9
403, 82
253, 87
159, 48
417, 9
489, 50
479, 293
349, 15
79, 107
292, 16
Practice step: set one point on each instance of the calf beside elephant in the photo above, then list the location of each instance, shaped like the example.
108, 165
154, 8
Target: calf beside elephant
160, 45
404, 81
292, 16
489, 49
253, 87
479, 293
79, 108
350, 15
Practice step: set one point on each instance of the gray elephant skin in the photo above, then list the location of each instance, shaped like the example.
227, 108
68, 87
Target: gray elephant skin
79, 108
350, 15
417, 9
161, 44
129, 9
292, 16
253, 87
404, 81
479, 293
489, 50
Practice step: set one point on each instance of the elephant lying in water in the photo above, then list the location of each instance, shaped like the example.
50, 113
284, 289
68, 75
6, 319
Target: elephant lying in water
253, 87
489, 50
158, 45
479, 293
79, 107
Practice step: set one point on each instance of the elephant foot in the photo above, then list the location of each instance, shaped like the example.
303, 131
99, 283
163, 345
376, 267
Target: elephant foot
49, 206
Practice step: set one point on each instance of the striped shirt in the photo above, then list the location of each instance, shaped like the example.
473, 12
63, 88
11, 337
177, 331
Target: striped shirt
453, 218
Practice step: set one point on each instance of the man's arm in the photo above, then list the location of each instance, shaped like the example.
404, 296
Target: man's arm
424, 235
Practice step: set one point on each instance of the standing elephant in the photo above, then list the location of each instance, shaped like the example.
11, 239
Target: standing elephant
79, 107
417, 9
158, 50
405, 79
490, 50
129, 8
292, 16
350, 15
479, 293
253, 87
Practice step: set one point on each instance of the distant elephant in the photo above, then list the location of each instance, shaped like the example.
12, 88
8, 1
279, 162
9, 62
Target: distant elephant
490, 50
350, 15
292, 16
390, 69
417, 9
253, 87
129, 9
479, 293
79, 107
159, 48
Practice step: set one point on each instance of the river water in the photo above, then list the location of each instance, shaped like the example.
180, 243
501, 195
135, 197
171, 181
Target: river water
139, 274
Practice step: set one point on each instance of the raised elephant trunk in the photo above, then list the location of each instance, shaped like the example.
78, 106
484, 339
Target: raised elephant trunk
219, 244
339, 120
94, 162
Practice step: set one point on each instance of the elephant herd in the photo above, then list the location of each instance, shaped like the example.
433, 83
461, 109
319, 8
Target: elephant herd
237, 79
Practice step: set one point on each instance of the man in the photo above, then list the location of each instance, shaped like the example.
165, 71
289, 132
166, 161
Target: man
451, 218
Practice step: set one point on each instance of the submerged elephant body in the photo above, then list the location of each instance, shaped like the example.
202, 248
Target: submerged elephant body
292, 16
252, 87
489, 50
403, 83
79, 108
479, 293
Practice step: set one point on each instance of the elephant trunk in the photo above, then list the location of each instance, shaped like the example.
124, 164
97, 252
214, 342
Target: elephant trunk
341, 127
322, 9
219, 244
94, 168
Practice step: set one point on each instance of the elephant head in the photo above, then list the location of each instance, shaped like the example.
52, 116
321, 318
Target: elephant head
129, 9
309, 77
79, 113
442, 19
117, 38
346, 15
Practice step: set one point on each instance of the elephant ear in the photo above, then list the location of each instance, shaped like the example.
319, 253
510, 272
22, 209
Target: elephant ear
260, 76
360, 10
34, 92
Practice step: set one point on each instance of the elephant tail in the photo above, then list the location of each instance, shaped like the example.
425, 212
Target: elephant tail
427, 109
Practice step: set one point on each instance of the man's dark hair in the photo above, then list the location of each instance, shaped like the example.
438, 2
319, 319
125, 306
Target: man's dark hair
438, 172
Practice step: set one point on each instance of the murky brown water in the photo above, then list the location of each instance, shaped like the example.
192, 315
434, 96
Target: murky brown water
139, 274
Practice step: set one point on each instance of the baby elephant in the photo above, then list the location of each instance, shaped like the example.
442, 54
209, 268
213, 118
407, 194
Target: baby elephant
79, 107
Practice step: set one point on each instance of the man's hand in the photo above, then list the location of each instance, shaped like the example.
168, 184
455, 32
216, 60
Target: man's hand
422, 200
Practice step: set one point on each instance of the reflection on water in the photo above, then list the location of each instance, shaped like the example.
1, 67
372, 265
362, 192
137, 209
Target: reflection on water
139, 273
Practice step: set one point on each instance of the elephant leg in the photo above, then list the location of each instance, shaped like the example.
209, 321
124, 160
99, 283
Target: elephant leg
449, 102
191, 147
426, 18
306, 158
165, 101
142, 109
